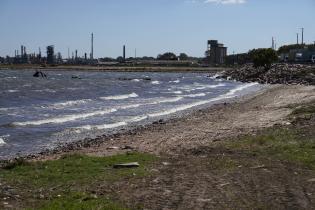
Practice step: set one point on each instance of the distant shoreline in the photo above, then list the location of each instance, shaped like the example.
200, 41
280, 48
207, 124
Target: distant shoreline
115, 68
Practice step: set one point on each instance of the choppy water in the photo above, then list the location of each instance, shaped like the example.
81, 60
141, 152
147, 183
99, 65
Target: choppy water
38, 113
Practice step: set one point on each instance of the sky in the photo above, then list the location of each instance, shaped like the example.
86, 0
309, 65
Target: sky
152, 26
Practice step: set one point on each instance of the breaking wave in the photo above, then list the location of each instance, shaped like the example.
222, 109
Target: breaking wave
65, 118
69, 103
120, 97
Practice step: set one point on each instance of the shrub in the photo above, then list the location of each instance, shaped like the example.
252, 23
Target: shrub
263, 57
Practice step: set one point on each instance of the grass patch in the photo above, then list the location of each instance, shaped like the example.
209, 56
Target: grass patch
75, 169
283, 143
71, 173
306, 109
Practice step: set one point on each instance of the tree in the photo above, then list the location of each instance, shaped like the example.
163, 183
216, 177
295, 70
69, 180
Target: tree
183, 57
120, 59
167, 56
263, 57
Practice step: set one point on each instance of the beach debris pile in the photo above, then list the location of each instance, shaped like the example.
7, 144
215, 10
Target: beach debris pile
277, 74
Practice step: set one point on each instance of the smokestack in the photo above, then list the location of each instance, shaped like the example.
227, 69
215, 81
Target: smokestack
124, 52
302, 36
92, 47
76, 54
22, 50
297, 38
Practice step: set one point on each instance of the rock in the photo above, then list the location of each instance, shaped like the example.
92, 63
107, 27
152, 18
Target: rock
127, 148
112, 148
311, 180
258, 167
127, 165
277, 74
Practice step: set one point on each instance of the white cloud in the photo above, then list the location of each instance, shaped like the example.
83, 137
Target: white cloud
226, 1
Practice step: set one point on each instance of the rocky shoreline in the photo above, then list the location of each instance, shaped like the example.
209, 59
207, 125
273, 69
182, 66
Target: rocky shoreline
278, 74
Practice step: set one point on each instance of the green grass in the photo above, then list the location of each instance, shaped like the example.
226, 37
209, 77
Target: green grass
281, 143
59, 180
306, 109
295, 143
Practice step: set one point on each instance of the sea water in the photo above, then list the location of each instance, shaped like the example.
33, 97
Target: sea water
41, 113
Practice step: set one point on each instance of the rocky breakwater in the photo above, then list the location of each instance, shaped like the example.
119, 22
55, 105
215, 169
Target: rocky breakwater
277, 74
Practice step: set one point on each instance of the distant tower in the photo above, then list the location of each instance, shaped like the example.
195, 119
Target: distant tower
22, 50
273, 43
92, 47
76, 54
124, 52
297, 38
50, 54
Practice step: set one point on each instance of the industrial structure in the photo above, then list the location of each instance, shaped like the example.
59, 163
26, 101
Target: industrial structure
216, 52
92, 47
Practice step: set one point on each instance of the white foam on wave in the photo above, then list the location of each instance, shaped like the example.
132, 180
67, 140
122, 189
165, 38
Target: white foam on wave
136, 80
216, 76
228, 95
155, 82
240, 88
201, 87
65, 118
113, 125
12, 91
69, 103
195, 95
45, 90
120, 97
175, 81
4, 109
105, 126
2, 142
166, 100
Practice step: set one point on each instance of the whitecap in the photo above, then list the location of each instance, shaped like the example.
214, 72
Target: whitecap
65, 118
12, 91
166, 100
228, 95
175, 81
2, 142
2, 139
195, 95
155, 82
119, 97
69, 103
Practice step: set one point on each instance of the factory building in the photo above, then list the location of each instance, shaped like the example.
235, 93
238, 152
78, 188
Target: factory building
216, 52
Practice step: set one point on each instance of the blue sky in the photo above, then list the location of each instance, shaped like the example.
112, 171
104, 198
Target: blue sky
152, 26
